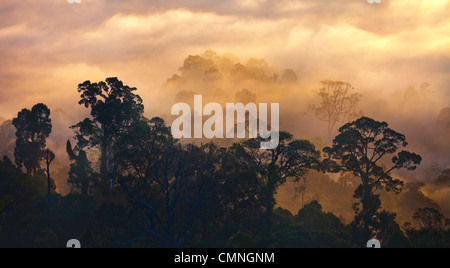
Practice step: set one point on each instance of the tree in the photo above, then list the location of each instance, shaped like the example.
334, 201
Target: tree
443, 179
245, 96
338, 104
81, 174
386, 225
360, 148
398, 240
236, 186
7, 139
430, 218
139, 150
312, 217
291, 159
289, 76
444, 118
432, 231
164, 181
5, 202
114, 108
49, 157
33, 128
197, 66
7, 170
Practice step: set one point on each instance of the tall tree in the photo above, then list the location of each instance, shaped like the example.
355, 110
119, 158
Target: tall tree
338, 105
114, 108
33, 128
81, 174
163, 180
291, 159
431, 219
49, 157
360, 149
7, 139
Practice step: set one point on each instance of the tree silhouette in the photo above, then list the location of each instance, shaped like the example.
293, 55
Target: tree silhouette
312, 217
237, 185
291, 159
138, 151
386, 225
433, 229
33, 128
430, 218
7, 169
114, 108
5, 202
443, 179
81, 174
163, 180
444, 118
49, 157
359, 148
7, 139
338, 104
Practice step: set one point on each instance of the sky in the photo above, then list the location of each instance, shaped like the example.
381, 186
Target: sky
48, 47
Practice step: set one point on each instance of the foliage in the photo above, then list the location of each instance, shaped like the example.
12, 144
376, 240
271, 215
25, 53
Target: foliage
443, 179
33, 128
114, 107
291, 159
7, 139
157, 191
359, 149
338, 104
430, 218
81, 174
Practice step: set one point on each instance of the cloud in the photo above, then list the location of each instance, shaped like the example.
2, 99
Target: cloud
47, 47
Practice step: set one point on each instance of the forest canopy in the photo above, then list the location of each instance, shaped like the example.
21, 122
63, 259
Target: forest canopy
135, 185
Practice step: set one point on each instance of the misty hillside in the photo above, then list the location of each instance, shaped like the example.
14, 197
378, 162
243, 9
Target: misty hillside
228, 79
337, 197
7, 139
237, 185
362, 148
61, 132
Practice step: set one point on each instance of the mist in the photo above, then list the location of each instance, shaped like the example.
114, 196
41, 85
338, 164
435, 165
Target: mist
395, 54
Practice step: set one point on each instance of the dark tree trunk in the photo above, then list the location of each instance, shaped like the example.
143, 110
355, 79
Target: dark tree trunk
48, 177
103, 162
270, 205
49, 184
84, 189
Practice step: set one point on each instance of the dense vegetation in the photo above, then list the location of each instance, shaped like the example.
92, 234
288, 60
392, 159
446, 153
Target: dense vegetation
151, 190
